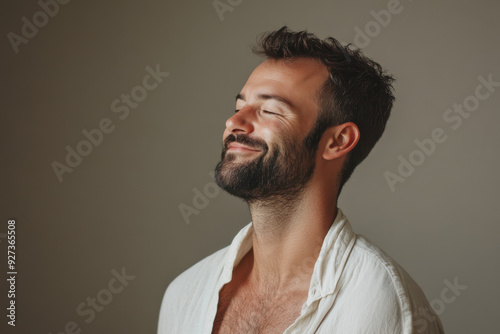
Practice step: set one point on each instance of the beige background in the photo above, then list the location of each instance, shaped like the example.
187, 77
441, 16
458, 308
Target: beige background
120, 206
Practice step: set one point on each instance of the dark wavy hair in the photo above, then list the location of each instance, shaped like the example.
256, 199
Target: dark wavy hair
358, 90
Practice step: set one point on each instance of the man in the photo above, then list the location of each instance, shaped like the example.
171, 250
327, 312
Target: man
306, 117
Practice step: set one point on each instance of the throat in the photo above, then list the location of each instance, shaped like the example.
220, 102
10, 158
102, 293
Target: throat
265, 282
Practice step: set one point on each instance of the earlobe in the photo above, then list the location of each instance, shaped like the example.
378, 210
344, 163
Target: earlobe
340, 140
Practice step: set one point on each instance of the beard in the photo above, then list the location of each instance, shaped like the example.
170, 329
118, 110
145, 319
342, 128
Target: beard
277, 174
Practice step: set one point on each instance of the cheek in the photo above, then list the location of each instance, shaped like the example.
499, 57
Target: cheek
282, 141
276, 129
268, 134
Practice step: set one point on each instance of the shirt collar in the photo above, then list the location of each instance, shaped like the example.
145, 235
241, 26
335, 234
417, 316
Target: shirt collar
332, 258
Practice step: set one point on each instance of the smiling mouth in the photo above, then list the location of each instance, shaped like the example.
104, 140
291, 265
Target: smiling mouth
241, 148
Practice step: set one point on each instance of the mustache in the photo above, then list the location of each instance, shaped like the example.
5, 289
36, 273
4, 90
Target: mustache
245, 140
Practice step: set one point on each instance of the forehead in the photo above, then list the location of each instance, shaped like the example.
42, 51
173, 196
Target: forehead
298, 80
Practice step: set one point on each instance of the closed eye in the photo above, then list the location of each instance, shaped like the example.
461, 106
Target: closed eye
270, 112
266, 111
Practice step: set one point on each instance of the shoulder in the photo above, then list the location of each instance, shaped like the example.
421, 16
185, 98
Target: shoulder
195, 278
188, 294
374, 285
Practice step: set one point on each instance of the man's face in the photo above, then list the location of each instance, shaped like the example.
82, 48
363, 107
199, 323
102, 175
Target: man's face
263, 155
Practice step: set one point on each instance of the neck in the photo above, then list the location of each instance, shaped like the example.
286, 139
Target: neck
287, 238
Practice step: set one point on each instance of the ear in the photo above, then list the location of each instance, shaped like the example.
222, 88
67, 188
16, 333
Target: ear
340, 140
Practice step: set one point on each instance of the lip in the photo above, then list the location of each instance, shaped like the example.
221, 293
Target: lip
240, 147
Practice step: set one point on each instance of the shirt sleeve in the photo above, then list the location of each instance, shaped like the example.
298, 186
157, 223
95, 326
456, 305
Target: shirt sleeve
377, 296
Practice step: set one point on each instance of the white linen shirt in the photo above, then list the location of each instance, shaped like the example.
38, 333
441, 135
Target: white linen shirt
355, 288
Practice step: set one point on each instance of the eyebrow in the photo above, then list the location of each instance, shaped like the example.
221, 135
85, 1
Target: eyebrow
269, 97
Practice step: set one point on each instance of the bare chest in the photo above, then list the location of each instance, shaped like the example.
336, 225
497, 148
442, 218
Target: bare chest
241, 312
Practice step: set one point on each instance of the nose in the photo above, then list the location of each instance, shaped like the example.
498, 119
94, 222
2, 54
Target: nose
242, 121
